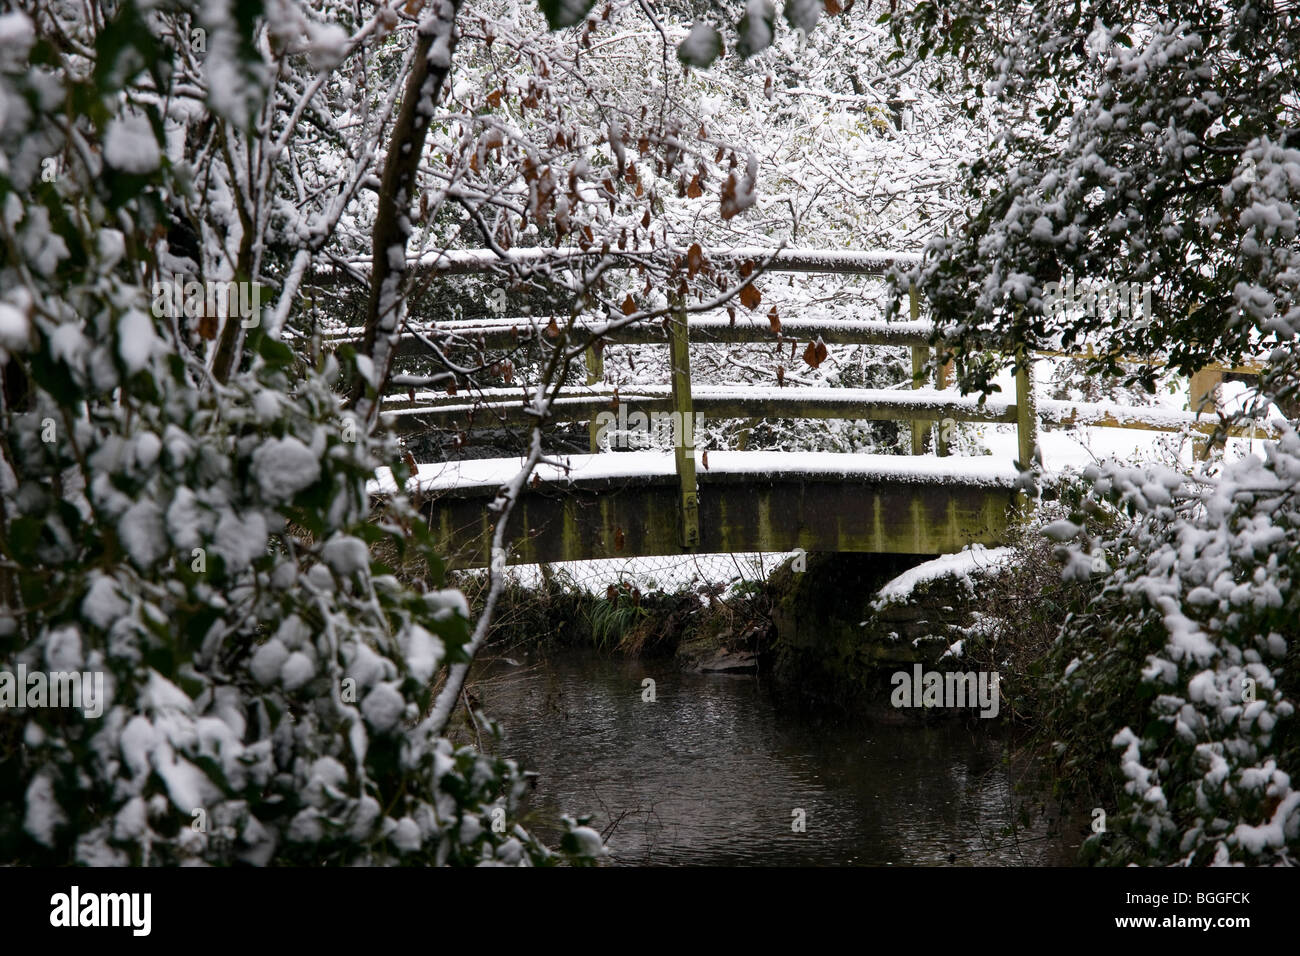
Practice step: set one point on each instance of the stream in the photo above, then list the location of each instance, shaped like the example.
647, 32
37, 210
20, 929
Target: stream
712, 773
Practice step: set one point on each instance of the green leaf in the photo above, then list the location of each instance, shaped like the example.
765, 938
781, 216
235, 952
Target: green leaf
564, 13
701, 47
275, 352
756, 29
24, 533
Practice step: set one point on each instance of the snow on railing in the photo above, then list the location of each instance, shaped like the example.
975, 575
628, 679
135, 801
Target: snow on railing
840, 261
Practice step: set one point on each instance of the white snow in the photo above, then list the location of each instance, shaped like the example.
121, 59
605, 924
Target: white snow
136, 341
701, 44
102, 604
345, 555
14, 329
130, 145
43, 814
142, 533
486, 475
284, 467
268, 661
383, 707
960, 565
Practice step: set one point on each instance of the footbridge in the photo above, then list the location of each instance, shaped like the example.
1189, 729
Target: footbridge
611, 504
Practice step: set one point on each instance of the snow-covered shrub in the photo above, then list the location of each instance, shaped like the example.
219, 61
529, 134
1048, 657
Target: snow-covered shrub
264, 688
199, 543
1185, 665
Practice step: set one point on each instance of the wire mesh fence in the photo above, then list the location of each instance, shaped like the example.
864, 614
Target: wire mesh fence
668, 574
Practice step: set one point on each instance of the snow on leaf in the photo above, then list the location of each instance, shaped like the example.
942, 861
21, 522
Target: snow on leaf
701, 47
755, 30
283, 467
130, 145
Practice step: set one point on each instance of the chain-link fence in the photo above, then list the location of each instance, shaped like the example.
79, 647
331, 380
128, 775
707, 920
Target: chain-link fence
668, 574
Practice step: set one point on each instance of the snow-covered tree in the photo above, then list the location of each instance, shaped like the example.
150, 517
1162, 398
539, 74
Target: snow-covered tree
1152, 143
185, 513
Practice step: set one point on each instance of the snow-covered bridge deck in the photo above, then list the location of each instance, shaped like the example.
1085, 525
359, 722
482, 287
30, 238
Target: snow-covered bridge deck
626, 504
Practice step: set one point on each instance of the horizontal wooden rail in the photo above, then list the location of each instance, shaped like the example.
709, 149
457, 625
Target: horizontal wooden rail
496, 334
717, 403
511, 406
478, 261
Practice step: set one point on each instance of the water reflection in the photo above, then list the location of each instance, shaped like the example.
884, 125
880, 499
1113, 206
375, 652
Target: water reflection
710, 773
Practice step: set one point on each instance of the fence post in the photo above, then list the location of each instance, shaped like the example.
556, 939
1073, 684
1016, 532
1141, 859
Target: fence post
679, 347
1204, 399
920, 354
1026, 409
595, 357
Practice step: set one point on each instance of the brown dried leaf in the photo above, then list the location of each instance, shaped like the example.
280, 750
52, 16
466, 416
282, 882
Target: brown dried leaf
694, 260
750, 297
552, 328
695, 190
774, 320
208, 327
728, 203
494, 99
780, 375
629, 305
619, 539
704, 460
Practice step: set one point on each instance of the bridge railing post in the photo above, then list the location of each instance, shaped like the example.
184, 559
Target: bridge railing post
679, 348
1026, 410
920, 355
942, 377
595, 357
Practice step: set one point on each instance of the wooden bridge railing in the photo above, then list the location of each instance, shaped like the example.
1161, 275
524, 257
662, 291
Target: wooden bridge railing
923, 407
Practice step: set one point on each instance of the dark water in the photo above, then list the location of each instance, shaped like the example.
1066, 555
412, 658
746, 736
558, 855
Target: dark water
711, 773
